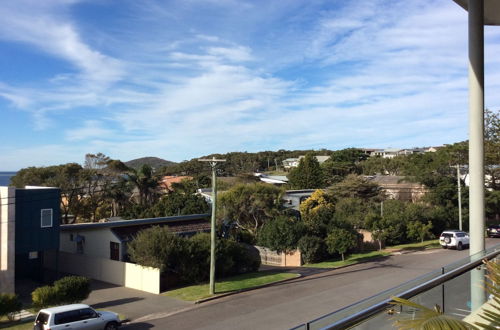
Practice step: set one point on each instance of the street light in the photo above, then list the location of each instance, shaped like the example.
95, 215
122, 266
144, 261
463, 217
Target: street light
213, 163
459, 199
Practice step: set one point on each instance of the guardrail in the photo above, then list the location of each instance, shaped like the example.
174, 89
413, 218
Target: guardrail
361, 311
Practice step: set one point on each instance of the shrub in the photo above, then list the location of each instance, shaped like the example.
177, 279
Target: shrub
281, 234
45, 296
159, 248
72, 289
67, 290
9, 303
312, 248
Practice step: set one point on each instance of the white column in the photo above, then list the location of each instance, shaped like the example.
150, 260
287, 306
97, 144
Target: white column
476, 126
476, 145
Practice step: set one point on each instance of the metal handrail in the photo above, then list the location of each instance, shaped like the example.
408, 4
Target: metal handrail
366, 313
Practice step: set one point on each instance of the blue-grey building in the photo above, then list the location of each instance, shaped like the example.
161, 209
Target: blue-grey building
29, 227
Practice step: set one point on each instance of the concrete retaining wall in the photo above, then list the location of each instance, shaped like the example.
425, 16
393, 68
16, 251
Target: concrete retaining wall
111, 271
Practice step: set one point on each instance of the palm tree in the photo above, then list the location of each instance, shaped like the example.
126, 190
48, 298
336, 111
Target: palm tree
146, 184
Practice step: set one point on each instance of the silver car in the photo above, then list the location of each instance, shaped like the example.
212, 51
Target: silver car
75, 316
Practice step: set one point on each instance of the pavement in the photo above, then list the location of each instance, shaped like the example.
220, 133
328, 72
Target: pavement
139, 306
132, 304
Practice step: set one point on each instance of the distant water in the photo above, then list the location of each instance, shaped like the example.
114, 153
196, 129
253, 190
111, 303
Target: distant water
5, 178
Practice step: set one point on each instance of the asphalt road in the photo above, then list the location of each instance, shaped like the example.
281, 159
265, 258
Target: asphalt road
286, 305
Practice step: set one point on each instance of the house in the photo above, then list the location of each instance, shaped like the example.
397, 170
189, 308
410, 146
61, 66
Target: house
272, 179
167, 181
290, 163
396, 188
29, 228
109, 239
293, 198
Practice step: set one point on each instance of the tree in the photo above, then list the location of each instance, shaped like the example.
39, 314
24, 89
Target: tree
318, 199
281, 234
157, 247
176, 203
146, 184
342, 163
250, 205
357, 187
340, 240
308, 175
418, 230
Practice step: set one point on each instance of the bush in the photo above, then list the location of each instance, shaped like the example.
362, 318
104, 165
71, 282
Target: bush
312, 248
45, 296
67, 290
72, 289
9, 303
159, 248
281, 234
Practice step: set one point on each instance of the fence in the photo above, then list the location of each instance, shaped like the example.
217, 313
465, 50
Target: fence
273, 258
116, 272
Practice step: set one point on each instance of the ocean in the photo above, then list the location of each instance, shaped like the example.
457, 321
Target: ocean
5, 178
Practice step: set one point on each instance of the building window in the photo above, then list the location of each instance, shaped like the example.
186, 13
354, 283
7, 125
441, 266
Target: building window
114, 251
80, 240
46, 216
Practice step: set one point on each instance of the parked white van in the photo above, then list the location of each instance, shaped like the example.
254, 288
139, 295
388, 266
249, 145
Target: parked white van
75, 316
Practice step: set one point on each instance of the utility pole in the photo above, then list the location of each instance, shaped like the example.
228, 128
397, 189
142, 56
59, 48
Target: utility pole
213, 163
459, 199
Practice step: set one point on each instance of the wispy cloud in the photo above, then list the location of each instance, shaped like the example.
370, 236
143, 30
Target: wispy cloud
184, 79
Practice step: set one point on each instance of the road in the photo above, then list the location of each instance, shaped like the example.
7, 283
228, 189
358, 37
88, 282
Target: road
288, 304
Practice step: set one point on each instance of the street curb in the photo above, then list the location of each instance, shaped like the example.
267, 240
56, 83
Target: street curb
222, 295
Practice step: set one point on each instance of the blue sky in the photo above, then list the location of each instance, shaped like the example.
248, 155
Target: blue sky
183, 79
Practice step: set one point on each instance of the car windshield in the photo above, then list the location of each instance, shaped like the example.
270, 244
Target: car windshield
447, 235
42, 318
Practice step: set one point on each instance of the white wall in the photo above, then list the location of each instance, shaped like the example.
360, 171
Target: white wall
7, 239
96, 242
116, 272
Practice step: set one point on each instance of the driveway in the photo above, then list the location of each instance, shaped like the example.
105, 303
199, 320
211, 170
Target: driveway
132, 304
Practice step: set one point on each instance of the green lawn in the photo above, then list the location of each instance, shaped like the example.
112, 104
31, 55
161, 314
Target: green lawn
433, 244
349, 260
235, 283
360, 257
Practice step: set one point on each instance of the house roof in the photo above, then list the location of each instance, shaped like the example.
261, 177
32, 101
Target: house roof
128, 233
134, 222
167, 181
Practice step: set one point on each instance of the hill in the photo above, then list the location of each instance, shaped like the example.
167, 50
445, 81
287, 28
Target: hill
154, 162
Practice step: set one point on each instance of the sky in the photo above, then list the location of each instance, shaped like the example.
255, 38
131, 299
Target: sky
188, 78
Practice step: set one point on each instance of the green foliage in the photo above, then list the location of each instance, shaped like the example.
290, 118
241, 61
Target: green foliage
157, 247
307, 175
9, 303
176, 203
250, 205
72, 289
342, 163
189, 258
418, 230
427, 318
67, 290
355, 186
312, 248
45, 296
340, 240
281, 234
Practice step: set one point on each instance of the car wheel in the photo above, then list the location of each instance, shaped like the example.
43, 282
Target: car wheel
459, 246
447, 240
111, 326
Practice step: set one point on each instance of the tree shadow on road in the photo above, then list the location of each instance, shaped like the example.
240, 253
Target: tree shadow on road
116, 302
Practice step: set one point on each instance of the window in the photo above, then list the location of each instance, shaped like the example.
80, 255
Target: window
87, 313
46, 216
114, 251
